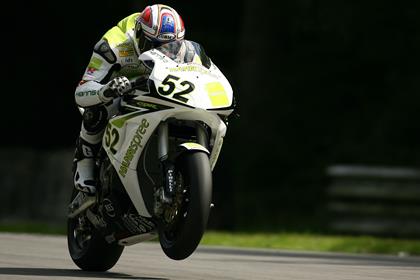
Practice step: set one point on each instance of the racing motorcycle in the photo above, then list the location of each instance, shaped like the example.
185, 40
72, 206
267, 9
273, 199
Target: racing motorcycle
155, 165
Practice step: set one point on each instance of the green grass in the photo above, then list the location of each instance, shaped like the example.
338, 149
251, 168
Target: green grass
314, 242
280, 240
32, 227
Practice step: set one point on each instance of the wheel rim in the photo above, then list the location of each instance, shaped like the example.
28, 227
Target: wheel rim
171, 229
81, 234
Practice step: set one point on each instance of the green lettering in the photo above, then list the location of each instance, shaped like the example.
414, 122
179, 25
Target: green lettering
135, 143
87, 93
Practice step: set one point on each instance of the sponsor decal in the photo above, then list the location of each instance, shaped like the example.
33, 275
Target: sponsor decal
87, 93
124, 45
94, 65
192, 68
91, 70
132, 66
166, 36
135, 144
109, 208
125, 53
147, 105
158, 55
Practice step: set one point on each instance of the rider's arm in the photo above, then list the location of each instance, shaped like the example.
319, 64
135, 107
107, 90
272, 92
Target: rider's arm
102, 64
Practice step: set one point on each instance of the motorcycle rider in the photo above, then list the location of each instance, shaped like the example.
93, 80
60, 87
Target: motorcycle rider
113, 62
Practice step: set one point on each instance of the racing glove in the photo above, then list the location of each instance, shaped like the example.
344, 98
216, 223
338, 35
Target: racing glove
114, 88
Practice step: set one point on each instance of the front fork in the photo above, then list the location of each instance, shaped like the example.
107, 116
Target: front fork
163, 139
165, 195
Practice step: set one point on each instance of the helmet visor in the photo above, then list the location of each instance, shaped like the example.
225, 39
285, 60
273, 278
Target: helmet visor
146, 43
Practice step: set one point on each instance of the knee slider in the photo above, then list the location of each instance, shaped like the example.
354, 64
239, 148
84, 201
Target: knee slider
95, 119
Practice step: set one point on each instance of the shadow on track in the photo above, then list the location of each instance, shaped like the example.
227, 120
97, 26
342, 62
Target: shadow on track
69, 273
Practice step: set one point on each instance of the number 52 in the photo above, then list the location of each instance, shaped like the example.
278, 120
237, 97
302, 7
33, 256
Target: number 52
168, 86
111, 138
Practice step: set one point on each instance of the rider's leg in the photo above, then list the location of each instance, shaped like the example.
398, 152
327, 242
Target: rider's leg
95, 119
87, 147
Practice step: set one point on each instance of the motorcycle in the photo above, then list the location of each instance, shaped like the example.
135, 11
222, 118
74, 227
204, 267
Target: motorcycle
155, 165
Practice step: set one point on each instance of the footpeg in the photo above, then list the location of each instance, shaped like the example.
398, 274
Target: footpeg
80, 203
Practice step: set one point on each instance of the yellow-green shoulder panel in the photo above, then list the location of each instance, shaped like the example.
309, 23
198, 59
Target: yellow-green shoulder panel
116, 35
128, 23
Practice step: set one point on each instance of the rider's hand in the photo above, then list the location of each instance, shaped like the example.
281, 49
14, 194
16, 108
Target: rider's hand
115, 88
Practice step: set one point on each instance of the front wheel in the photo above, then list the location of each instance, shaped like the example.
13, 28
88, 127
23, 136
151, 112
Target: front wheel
180, 239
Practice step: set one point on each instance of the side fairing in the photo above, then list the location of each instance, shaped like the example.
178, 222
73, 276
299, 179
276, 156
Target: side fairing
124, 140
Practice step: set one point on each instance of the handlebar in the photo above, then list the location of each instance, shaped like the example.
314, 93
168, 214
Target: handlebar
140, 83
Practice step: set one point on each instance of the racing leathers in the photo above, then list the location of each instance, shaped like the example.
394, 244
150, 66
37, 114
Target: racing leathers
113, 62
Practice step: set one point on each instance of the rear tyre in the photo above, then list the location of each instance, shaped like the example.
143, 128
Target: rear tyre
181, 240
87, 248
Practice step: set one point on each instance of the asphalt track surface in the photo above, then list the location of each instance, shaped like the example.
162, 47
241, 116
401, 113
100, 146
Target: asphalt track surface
24, 256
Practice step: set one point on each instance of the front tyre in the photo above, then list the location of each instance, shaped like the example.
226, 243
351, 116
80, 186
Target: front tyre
181, 239
87, 248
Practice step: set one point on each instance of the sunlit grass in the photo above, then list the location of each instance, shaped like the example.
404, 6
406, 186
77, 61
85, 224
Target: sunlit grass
314, 242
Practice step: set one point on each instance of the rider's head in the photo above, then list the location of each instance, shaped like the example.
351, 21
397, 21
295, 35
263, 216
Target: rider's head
158, 24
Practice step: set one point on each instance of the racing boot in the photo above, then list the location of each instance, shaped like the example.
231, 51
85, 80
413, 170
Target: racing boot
84, 166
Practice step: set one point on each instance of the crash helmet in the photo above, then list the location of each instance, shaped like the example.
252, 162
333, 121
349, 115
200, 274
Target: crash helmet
158, 24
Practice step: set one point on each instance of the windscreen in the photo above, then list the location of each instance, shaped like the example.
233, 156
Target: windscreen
185, 51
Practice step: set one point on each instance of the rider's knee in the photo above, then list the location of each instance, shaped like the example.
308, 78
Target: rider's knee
95, 119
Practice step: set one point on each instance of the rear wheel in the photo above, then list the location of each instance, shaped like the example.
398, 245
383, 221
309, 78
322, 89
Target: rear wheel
179, 239
87, 248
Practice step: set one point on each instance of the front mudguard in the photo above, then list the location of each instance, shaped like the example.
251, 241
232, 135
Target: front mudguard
192, 146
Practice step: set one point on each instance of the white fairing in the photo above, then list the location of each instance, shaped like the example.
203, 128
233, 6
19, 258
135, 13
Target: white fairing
211, 88
126, 135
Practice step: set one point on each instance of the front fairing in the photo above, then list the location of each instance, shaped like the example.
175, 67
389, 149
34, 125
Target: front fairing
183, 74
